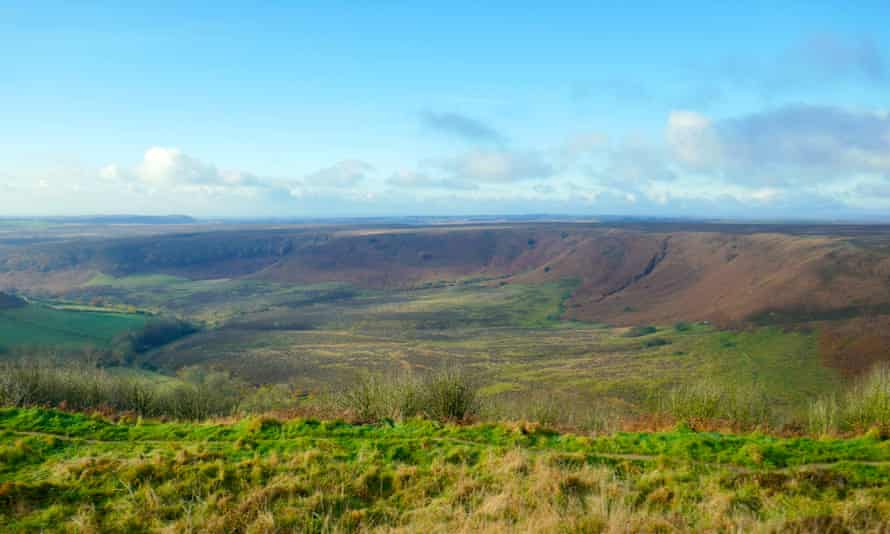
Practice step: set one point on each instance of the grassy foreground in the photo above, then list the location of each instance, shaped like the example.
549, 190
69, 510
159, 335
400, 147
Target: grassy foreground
70, 472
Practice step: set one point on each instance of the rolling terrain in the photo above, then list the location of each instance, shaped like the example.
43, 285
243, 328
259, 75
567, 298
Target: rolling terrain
835, 278
627, 275
636, 340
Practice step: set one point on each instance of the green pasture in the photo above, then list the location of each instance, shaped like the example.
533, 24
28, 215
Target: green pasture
39, 324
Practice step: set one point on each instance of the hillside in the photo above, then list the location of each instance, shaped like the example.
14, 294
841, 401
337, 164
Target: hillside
628, 275
830, 279
8, 302
64, 471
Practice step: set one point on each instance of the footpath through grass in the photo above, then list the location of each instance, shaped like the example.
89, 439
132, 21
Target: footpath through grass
61, 471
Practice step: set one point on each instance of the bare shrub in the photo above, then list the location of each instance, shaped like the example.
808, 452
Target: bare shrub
445, 395
864, 406
78, 386
745, 405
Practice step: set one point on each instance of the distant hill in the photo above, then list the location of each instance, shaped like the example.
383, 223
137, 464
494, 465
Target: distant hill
628, 275
125, 219
8, 301
111, 219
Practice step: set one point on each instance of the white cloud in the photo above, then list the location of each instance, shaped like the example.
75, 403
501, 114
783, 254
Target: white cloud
344, 174
580, 144
408, 179
497, 166
633, 163
874, 190
170, 168
795, 145
112, 173
691, 137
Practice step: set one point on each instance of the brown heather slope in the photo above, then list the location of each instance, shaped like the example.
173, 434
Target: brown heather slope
631, 277
627, 275
729, 278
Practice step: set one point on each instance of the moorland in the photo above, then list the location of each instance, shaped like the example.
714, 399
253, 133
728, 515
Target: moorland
524, 346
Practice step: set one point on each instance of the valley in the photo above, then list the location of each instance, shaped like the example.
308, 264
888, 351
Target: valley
540, 313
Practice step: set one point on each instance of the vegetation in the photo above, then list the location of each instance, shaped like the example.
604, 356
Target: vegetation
39, 324
444, 395
69, 472
508, 336
865, 406
741, 405
682, 326
299, 341
134, 281
159, 332
656, 342
78, 387
639, 331
409, 467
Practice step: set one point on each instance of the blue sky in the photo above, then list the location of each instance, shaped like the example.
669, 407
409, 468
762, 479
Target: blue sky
396, 108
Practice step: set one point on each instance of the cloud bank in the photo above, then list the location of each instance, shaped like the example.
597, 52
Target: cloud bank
793, 145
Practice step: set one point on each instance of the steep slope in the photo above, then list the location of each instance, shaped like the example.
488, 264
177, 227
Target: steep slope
626, 275
728, 278
384, 259
403, 259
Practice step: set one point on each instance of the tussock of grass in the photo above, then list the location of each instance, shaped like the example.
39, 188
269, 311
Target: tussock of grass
866, 405
743, 405
553, 411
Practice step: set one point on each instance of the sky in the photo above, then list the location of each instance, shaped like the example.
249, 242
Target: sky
387, 108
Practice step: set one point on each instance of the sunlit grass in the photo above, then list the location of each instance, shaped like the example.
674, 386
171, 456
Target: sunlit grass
135, 281
63, 472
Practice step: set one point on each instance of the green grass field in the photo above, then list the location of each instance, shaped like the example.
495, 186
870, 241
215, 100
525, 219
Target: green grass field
68, 472
39, 324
